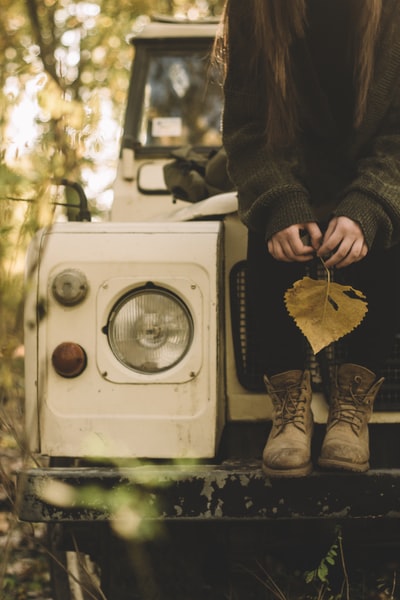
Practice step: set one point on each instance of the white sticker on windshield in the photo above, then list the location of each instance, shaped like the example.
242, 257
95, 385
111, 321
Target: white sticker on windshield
166, 127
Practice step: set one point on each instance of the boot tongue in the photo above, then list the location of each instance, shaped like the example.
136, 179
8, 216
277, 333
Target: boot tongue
287, 379
359, 378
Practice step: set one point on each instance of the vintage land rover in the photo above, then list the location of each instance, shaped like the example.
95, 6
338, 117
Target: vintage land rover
145, 412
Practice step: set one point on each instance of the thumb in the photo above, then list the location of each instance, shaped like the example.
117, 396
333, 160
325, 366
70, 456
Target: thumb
315, 234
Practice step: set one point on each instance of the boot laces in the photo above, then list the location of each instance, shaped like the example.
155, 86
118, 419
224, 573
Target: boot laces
350, 408
290, 408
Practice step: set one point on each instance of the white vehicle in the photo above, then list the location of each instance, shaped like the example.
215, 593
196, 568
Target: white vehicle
139, 364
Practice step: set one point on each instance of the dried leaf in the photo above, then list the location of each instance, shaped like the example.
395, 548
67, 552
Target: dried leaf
325, 311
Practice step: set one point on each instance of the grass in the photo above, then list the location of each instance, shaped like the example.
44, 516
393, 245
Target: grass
24, 570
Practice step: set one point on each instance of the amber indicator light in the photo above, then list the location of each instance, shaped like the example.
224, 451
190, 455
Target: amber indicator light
69, 359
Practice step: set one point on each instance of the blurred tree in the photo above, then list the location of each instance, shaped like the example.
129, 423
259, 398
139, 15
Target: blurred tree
64, 74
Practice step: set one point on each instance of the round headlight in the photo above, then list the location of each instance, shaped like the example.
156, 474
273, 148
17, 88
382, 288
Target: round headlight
150, 330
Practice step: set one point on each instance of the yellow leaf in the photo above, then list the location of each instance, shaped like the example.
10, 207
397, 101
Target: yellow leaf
325, 311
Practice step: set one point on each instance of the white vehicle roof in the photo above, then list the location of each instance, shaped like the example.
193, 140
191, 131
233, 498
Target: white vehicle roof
165, 27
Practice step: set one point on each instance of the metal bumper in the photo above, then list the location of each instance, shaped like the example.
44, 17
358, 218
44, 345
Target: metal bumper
233, 491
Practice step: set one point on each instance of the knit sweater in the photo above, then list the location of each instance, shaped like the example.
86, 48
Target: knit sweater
332, 169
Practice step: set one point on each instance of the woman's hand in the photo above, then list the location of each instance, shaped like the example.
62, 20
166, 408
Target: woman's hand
343, 243
287, 245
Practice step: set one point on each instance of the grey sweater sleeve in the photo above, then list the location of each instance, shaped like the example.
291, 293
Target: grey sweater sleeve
373, 197
271, 196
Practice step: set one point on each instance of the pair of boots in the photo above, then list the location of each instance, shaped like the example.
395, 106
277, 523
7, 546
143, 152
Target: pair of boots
346, 444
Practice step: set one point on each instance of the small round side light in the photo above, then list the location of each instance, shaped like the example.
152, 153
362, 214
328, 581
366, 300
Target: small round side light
70, 287
69, 359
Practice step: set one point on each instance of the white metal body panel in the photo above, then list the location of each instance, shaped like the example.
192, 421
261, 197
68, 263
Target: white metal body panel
110, 410
164, 28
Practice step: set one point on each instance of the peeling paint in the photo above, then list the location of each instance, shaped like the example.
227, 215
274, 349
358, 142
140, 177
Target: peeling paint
204, 492
178, 510
244, 480
219, 512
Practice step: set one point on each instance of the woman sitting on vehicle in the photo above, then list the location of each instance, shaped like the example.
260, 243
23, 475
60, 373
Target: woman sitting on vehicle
312, 132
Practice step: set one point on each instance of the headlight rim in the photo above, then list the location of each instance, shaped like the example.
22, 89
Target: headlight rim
151, 288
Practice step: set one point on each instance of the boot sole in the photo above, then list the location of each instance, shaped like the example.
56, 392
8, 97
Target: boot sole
281, 473
328, 463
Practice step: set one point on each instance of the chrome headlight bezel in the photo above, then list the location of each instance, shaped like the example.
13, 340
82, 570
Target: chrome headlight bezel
150, 330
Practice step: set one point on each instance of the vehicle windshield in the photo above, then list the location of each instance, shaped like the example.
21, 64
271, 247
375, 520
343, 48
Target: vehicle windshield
182, 102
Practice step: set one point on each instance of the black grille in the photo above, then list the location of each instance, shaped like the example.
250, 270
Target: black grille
245, 344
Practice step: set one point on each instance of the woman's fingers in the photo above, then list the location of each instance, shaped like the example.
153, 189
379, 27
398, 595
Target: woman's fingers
343, 243
288, 246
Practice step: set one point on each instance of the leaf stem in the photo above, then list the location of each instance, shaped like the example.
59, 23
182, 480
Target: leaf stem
328, 277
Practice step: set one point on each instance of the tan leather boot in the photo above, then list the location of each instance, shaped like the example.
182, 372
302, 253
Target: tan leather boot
288, 449
346, 443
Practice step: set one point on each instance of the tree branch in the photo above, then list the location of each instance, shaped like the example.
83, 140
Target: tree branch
46, 48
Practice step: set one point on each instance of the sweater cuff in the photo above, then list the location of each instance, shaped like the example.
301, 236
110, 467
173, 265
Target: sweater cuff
290, 210
366, 212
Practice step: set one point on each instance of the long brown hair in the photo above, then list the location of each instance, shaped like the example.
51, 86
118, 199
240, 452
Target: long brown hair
276, 25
